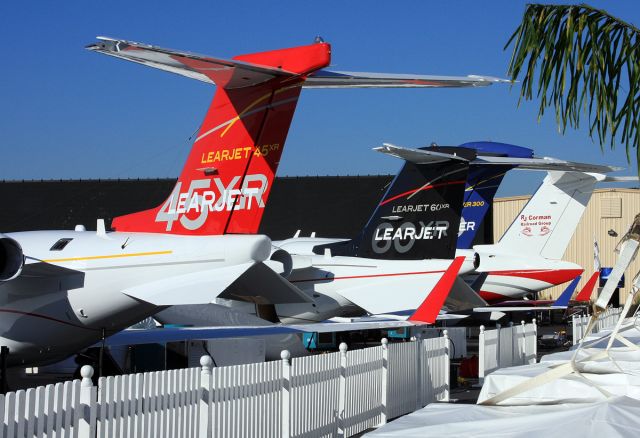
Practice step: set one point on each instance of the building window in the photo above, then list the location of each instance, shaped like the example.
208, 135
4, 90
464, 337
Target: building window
611, 207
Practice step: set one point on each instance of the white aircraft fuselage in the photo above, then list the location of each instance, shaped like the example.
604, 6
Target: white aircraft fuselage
63, 301
513, 277
510, 276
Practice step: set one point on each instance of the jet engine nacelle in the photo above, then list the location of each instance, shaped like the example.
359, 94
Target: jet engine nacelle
11, 258
283, 257
471, 259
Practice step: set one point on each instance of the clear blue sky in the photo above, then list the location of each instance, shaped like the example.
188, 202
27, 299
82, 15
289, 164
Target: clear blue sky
69, 113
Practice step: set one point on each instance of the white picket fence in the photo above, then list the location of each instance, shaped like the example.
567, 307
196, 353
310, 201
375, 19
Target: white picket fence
457, 337
506, 347
336, 394
607, 320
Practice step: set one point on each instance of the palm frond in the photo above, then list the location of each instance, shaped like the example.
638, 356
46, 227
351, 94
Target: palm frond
581, 60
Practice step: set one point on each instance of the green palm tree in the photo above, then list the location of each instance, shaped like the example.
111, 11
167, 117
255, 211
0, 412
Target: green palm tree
584, 62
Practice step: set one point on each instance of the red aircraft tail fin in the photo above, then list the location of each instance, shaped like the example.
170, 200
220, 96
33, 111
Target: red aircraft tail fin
430, 307
228, 175
585, 293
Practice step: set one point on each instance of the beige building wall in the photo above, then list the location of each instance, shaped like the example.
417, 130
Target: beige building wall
609, 209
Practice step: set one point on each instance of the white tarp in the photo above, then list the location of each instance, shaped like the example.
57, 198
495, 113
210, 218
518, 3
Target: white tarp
575, 388
616, 417
600, 339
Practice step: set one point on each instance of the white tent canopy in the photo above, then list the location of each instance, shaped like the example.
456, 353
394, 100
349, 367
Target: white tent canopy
616, 417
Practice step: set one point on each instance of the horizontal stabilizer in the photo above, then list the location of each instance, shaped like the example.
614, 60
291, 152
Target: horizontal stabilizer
227, 73
462, 297
545, 163
621, 179
239, 72
417, 156
199, 287
263, 285
348, 79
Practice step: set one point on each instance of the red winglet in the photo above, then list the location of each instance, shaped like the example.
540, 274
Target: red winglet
585, 293
430, 307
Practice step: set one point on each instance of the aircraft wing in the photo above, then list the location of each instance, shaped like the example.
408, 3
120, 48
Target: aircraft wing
176, 334
238, 73
248, 280
426, 313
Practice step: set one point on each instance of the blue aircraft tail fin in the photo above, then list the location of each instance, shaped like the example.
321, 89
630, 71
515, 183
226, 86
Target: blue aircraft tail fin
563, 299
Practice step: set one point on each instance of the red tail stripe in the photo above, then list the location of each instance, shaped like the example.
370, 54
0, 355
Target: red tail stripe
419, 189
585, 293
430, 307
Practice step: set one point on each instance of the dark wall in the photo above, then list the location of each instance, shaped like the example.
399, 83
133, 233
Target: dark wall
330, 206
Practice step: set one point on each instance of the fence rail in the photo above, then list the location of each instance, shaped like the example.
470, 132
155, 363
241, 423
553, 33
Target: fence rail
606, 320
341, 393
506, 347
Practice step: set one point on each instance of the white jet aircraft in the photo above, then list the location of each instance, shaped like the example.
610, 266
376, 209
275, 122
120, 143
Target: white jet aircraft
388, 269
62, 291
528, 257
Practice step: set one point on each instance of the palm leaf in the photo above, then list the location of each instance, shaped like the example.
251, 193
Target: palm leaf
583, 62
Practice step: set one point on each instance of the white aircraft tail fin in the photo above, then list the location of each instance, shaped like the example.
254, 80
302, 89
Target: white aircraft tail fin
546, 224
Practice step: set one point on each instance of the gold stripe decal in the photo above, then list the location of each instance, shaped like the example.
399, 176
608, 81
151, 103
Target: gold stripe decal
114, 256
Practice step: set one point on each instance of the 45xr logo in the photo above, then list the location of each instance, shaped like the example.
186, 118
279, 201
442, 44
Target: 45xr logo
192, 207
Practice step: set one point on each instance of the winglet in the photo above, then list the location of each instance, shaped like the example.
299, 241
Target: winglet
563, 299
585, 293
430, 307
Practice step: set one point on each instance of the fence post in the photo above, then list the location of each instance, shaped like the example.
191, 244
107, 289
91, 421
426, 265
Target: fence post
498, 349
447, 368
524, 343
481, 354
385, 381
342, 389
418, 341
535, 340
573, 329
87, 405
286, 393
205, 422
